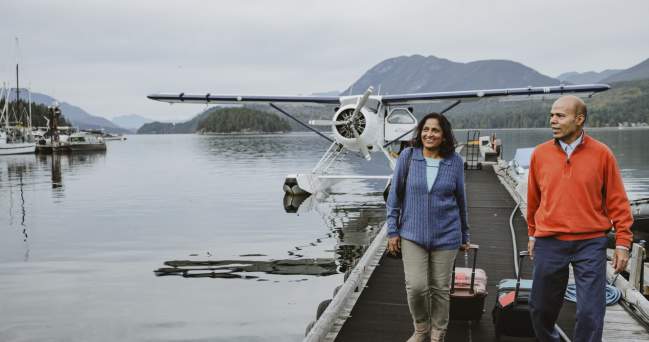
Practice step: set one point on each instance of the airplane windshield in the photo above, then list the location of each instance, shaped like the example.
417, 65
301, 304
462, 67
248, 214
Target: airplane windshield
401, 116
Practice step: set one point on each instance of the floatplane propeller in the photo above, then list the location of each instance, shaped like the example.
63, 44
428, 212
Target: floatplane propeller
369, 123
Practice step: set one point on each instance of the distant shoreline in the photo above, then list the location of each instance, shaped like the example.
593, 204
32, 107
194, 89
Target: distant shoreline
239, 133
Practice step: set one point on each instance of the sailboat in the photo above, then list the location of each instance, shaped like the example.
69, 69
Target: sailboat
15, 136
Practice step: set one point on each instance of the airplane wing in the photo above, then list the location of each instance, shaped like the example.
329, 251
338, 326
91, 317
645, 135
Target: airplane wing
387, 99
209, 98
490, 93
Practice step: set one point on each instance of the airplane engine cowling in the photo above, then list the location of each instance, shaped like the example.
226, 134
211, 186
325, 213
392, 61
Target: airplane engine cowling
365, 124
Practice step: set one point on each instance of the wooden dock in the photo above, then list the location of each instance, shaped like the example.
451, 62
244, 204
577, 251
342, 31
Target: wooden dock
381, 312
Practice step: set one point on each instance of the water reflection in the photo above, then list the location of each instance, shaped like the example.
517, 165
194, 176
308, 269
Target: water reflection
230, 269
20, 175
57, 180
264, 146
352, 220
13, 172
57, 163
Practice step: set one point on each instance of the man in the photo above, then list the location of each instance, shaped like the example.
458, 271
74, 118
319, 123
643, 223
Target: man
575, 195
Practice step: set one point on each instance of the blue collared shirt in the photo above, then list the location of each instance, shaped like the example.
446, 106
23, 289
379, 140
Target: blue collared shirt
569, 148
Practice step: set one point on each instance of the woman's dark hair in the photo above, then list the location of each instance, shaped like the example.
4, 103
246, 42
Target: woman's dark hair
448, 139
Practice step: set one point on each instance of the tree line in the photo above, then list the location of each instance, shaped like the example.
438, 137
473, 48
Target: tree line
228, 120
624, 102
222, 120
39, 113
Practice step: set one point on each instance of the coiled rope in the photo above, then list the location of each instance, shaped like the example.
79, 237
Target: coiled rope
613, 294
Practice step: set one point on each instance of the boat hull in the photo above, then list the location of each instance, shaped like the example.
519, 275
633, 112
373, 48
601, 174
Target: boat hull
67, 148
87, 147
17, 148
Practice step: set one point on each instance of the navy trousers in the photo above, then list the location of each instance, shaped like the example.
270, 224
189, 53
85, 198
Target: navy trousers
550, 278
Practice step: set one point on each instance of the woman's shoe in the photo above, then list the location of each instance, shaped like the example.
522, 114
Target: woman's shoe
437, 335
421, 333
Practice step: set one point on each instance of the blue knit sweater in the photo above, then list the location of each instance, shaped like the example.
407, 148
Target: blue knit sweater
435, 219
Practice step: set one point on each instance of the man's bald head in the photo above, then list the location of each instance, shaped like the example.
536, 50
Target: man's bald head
567, 118
573, 105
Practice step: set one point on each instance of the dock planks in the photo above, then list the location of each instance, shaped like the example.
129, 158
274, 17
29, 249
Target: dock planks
381, 312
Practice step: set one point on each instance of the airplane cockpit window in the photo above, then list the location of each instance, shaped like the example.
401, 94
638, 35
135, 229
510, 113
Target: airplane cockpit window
401, 116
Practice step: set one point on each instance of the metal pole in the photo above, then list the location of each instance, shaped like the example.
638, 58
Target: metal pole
301, 123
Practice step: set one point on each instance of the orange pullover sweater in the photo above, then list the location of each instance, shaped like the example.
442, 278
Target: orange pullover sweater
577, 198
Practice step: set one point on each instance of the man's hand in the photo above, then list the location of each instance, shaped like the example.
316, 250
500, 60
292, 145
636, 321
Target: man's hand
530, 249
394, 245
465, 246
620, 259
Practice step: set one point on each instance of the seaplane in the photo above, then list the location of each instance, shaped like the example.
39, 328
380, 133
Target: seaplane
365, 124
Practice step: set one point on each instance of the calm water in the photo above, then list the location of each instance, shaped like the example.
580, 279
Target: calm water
81, 235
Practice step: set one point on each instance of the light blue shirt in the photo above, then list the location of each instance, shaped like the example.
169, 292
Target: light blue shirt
569, 148
432, 167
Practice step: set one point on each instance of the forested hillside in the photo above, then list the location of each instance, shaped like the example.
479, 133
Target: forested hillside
229, 120
625, 102
39, 113
222, 120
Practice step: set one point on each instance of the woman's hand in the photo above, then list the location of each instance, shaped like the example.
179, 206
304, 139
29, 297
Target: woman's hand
394, 245
466, 246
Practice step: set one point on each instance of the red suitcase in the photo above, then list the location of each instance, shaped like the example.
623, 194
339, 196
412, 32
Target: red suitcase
468, 291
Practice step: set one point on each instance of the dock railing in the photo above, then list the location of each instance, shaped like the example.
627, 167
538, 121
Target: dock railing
326, 327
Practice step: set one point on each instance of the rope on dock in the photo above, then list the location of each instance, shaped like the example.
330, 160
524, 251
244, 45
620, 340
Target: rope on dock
613, 294
514, 245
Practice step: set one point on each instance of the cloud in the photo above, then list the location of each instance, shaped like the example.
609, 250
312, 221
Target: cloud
105, 56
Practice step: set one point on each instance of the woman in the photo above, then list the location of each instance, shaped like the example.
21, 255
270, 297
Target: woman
429, 223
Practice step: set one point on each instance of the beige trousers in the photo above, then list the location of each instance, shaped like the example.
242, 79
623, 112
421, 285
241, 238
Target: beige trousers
428, 280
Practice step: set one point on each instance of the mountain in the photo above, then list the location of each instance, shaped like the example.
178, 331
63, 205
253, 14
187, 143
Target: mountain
418, 74
587, 77
132, 121
77, 116
636, 72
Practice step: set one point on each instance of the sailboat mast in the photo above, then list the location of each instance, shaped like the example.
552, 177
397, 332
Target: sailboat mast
18, 114
17, 85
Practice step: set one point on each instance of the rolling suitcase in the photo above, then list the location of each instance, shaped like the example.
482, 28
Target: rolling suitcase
511, 314
468, 291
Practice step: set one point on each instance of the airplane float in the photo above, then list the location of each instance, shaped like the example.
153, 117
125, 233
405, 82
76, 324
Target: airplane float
369, 123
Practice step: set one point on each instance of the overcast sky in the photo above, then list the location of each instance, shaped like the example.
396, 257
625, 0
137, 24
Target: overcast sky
106, 56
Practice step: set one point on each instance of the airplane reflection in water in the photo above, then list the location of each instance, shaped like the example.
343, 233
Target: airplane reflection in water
351, 222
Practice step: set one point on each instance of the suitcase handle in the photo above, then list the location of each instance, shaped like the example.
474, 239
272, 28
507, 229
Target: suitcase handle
475, 248
521, 257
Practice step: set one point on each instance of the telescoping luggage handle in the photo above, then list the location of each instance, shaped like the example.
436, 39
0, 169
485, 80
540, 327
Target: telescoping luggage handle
475, 258
521, 256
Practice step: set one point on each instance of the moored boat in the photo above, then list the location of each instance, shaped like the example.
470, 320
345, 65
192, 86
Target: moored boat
84, 141
15, 138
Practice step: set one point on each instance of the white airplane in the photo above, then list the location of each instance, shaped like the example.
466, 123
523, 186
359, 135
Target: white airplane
370, 123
